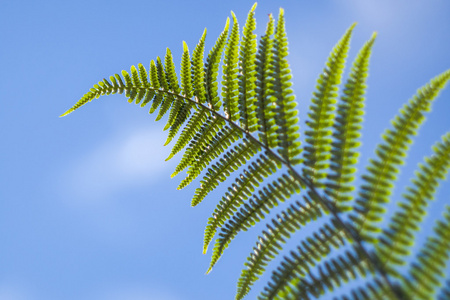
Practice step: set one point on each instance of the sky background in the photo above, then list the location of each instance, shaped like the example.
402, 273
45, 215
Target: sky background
87, 206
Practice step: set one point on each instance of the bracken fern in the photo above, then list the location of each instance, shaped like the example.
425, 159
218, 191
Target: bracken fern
251, 131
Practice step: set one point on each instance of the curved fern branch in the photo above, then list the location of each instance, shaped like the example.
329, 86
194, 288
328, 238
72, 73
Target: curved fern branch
383, 170
270, 243
398, 239
317, 150
281, 93
431, 262
347, 131
256, 91
238, 192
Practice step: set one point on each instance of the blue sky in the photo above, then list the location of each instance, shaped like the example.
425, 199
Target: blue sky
87, 206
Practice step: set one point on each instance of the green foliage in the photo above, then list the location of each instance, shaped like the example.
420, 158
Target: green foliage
253, 140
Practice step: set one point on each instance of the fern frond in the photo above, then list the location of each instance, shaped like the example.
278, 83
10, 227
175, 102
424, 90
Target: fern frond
150, 93
398, 239
331, 274
382, 171
115, 85
256, 91
167, 100
129, 92
186, 80
128, 84
212, 69
88, 97
193, 126
347, 130
139, 90
318, 141
230, 90
218, 172
374, 289
239, 191
264, 107
253, 211
159, 97
180, 110
247, 78
211, 126
219, 143
184, 110
171, 75
306, 256
268, 245
430, 265
143, 76
198, 72
285, 112
173, 86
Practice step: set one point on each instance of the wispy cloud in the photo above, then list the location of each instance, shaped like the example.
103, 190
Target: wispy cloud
123, 162
384, 14
13, 292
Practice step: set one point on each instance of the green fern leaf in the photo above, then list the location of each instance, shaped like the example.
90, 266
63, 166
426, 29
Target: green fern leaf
399, 238
159, 97
174, 87
318, 141
193, 126
224, 138
286, 114
143, 76
374, 289
140, 90
430, 265
181, 116
247, 74
290, 220
130, 92
167, 100
331, 274
253, 211
240, 191
171, 75
198, 72
230, 73
298, 264
180, 110
382, 171
85, 99
211, 126
212, 69
115, 85
149, 93
347, 131
264, 107
218, 172
186, 80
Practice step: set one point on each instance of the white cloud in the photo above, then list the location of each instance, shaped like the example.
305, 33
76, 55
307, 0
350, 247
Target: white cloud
123, 162
383, 14
13, 292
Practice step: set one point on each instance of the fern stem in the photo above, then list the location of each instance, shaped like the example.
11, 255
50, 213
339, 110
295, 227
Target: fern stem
326, 204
